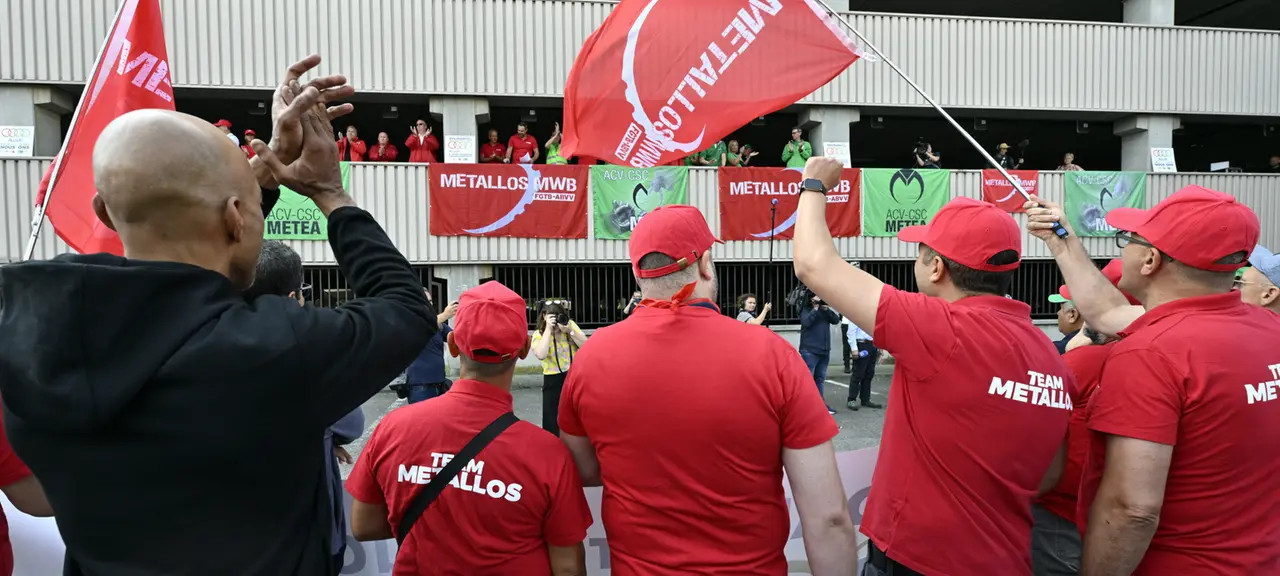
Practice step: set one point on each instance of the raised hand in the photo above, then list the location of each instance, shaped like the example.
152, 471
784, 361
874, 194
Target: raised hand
828, 170
1041, 218
315, 173
287, 134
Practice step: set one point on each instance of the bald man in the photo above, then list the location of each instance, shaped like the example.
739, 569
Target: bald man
176, 427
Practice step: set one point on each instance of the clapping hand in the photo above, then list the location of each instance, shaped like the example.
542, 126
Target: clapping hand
287, 134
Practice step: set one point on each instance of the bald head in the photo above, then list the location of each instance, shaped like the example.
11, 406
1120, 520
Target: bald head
172, 184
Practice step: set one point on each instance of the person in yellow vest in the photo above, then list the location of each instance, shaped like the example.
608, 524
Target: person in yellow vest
553, 148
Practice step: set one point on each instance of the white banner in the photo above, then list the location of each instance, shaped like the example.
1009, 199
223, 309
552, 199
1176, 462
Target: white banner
17, 141
460, 149
38, 548
837, 150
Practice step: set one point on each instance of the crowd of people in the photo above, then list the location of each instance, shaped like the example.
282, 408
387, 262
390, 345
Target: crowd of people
169, 403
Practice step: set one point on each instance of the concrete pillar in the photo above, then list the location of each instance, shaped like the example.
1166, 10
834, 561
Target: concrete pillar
1150, 12
1139, 134
39, 106
461, 115
462, 277
828, 124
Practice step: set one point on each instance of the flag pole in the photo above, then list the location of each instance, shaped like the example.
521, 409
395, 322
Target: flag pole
38, 220
1017, 185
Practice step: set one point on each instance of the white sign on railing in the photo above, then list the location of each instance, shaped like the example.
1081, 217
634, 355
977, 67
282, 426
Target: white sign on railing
1162, 160
459, 149
17, 141
838, 150
38, 548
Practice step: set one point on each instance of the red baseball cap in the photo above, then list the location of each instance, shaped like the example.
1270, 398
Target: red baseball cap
1196, 226
969, 232
250, 132
679, 231
1112, 271
491, 325
223, 122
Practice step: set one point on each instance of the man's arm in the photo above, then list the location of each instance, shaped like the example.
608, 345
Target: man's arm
806, 152
568, 560
1101, 304
833, 317
358, 347
1126, 511
830, 541
787, 152
1054, 473
28, 496
584, 456
369, 521
348, 428
818, 264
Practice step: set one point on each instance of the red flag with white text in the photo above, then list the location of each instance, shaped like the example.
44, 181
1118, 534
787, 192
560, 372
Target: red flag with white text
748, 212
663, 79
999, 191
514, 200
132, 74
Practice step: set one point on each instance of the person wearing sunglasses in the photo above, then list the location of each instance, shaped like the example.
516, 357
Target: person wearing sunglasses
1187, 398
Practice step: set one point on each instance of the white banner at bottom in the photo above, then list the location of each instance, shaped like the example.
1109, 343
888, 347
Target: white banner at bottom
38, 548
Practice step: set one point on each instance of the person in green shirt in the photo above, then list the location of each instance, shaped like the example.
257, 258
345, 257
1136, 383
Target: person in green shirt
797, 151
739, 156
553, 147
712, 156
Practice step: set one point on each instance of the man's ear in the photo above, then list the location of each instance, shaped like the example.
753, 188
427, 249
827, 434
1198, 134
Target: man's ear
233, 220
706, 270
453, 347
524, 351
100, 208
1270, 295
1152, 261
937, 269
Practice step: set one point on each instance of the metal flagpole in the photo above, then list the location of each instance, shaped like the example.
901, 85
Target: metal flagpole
1017, 185
38, 220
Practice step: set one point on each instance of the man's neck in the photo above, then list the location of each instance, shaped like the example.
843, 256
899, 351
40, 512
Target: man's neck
184, 253
501, 382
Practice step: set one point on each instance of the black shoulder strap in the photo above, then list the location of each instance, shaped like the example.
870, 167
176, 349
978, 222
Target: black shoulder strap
423, 499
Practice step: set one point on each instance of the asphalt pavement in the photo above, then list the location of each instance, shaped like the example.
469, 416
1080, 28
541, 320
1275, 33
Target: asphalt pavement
858, 429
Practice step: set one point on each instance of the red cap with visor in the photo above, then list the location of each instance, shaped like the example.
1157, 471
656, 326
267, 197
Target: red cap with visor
678, 231
970, 233
491, 325
1196, 226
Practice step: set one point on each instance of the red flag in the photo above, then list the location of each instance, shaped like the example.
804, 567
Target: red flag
132, 74
747, 194
520, 200
996, 190
663, 79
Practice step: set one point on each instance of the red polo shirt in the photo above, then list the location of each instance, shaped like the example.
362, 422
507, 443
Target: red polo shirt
977, 410
689, 411
496, 149
11, 471
521, 493
521, 147
1085, 364
1200, 374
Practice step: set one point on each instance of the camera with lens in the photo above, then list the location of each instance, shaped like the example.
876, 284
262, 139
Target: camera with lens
563, 318
922, 147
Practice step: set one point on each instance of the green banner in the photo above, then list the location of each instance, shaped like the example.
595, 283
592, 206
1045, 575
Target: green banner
894, 199
1090, 195
295, 217
622, 196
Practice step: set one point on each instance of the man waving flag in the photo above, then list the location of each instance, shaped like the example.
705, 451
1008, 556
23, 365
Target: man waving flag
663, 79
132, 73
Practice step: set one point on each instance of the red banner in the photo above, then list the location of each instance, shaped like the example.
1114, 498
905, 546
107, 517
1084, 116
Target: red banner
520, 200
659, 81
748, 194
996, 190
132, 74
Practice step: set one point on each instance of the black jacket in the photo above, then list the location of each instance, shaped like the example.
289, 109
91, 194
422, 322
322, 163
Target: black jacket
176, 428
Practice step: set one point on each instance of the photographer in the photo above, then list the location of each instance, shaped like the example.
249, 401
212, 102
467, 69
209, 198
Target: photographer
632, 303
556, 339
924, 157
815, 339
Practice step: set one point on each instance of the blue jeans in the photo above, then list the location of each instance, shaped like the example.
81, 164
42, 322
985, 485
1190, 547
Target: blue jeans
817, 364
420, 392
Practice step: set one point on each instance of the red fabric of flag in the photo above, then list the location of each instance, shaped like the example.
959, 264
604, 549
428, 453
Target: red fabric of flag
132, 74
999, 191
663, 79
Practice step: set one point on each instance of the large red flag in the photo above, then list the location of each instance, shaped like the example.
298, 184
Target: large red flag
132, 73
662, 79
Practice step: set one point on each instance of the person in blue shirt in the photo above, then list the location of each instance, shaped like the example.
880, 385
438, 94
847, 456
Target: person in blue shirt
865, 357
815, 340
425, 377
